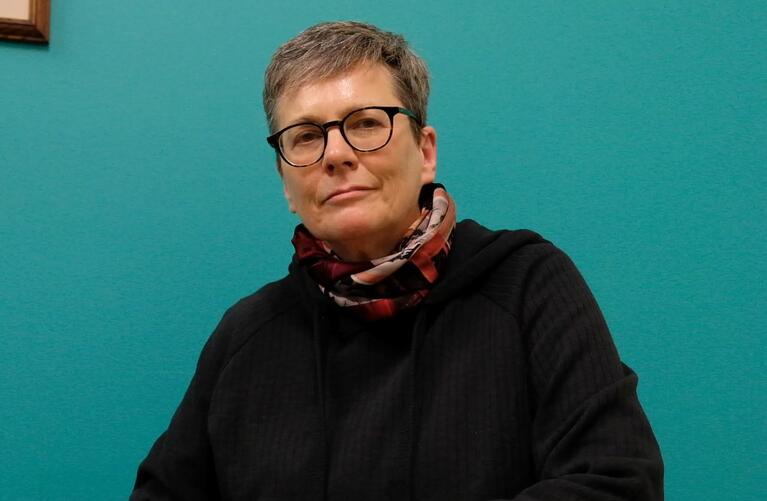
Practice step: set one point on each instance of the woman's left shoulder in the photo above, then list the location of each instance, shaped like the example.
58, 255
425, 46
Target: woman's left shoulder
517, 247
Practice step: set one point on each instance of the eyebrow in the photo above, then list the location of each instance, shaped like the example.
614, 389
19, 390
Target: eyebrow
313, 118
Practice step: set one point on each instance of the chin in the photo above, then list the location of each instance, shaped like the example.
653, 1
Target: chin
349, 228
349, 222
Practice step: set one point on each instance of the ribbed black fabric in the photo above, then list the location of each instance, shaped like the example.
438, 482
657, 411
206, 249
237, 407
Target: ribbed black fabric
366, 382
503, 384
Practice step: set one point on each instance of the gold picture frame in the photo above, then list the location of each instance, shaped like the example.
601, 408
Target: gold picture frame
25, 20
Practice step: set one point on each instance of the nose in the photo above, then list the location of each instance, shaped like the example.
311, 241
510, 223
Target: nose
338, 153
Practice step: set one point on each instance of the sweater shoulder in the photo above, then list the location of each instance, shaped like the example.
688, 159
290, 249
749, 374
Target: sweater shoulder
245, 319
273, 298
522, 260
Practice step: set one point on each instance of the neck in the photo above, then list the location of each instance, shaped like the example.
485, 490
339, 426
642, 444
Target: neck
366, 247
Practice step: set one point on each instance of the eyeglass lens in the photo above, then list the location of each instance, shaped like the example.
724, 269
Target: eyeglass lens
364, 130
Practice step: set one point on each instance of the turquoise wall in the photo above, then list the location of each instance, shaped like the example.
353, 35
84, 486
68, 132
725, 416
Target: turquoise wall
138, 200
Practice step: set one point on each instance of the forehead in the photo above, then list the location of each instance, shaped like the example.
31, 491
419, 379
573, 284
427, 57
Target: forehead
332, 97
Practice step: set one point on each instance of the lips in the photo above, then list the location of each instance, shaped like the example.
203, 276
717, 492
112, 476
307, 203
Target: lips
341, 192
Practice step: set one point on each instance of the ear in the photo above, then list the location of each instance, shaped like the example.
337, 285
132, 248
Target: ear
428, 147
278, 163
291, 205
288, 197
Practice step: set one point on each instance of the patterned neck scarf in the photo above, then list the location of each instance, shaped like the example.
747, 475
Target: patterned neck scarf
382, 287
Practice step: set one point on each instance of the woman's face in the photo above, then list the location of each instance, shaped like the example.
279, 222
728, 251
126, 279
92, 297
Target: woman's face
361, 203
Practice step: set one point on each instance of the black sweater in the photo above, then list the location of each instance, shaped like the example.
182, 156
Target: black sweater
503, 384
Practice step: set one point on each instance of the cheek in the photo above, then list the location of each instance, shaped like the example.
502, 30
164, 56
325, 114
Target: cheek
295, 193
403, 170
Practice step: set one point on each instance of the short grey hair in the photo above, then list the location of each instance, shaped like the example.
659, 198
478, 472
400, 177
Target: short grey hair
330, 49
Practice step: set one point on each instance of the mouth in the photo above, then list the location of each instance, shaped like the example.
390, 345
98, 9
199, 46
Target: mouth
346, 192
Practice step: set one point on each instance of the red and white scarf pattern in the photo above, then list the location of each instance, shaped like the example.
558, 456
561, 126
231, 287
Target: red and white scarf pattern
382, 287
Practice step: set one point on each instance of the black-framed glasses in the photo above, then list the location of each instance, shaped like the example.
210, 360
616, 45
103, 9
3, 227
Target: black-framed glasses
365, 129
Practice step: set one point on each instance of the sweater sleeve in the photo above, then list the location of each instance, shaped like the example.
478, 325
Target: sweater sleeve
591, 438
179, 466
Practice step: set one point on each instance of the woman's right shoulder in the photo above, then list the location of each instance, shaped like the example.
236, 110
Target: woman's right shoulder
245, 318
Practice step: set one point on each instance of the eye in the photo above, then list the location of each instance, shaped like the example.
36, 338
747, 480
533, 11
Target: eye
364, 123
304, 136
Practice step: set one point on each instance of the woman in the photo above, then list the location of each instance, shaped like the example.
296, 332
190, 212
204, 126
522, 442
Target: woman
405, 356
